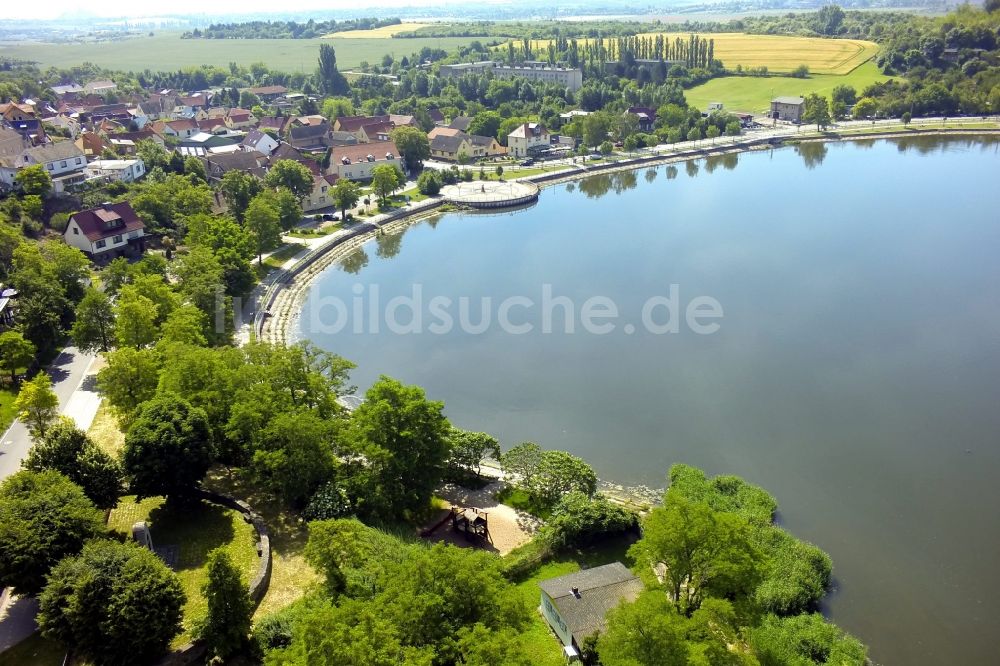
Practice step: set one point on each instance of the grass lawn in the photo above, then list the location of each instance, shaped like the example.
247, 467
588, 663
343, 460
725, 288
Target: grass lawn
779, 53
278, 258
291, 575
324, 230
105, 432
7, 412
754, 94
33, 651
195, 532
166, 51
538, 641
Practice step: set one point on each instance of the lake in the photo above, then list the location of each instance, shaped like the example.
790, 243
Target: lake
854, 371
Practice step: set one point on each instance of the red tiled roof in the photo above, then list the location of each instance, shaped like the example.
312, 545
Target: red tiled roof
360, 152
107, 221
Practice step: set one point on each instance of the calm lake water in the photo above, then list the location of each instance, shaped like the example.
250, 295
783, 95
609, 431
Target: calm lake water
855, 373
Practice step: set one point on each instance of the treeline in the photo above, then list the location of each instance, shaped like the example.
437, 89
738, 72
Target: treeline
286, 29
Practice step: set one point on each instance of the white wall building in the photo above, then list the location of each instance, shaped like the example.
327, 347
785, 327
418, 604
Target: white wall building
126, 171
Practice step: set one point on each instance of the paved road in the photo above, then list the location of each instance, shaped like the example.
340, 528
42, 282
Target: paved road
68, 372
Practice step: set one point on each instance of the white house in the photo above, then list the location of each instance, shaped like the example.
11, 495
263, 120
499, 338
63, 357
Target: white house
262, 142
60, 158
108, 231
125, 171
527, 138
321, 196
358, 162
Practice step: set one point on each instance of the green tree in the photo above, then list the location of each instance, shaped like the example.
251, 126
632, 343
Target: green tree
469, 448
152, 154
557, 474
866, 107
485, 123
712, 132
195, 167
94, 328
67, 449
34, 180
816, 110
168, 449
404, 436
291, 175
296, 456
232, 246
37, 405
264, 224
114, 603
647, 632
694, 134
128, 380
521, 462
32, 206
413, 146
331, 81
135, 318
289, 209
185, 325
803, 640
227, 625
906, 117
386, 179
16, 353
238, 189
43, 518
201, 278
704, 551
345, 195
429, 182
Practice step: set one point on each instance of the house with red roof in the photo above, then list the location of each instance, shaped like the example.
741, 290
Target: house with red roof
111, 230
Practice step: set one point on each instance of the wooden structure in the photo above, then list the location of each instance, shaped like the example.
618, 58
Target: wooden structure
472, 523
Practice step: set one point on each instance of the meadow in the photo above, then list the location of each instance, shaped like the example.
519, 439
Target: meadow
779, 53
167, 51
754, 94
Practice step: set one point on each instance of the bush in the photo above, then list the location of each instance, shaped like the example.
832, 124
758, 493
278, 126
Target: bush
579, 520
805, 639
330, 501
800, 72
59, 222
429, 182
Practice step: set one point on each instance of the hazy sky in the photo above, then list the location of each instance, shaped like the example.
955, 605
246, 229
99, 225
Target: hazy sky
56, 8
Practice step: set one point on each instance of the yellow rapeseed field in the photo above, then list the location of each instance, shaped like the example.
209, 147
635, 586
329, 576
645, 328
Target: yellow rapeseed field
780, 53
385, 32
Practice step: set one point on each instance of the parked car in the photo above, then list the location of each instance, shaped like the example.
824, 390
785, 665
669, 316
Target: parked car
527, 162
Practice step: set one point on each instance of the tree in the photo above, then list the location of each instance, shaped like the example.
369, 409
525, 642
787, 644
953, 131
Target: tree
816, 110
152, 154
712, 132
128, 380
866, 107
647, 632
168, 449
227, 625
291, 175
16, 353
345, 195
704, 551
264, 224
906, 117
202, 282
32, 206
185, 325
94, 328
34, 180
37, 405
429, 182
331, 81
485, 123
386, 179
521, 462
296, 456
289, 209
114, 603
469, 448
67, 449
231, 245
557, 474
829, 19
135, 318
404, 437
195, 167
238, 189
413, 145
43, 518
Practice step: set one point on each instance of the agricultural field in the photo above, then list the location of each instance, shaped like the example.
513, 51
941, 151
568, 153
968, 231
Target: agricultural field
385, 32
780, 53
167, 51
754, 94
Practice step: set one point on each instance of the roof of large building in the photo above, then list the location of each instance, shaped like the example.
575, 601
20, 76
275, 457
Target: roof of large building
354, 123
107, 220
360, 153
238, 161
788, 100
528, 129
448, 143
584, 598
51, 152
461, 123
269, 90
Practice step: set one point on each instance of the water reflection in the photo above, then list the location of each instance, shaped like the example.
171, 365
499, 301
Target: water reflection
355, 261
691, 167
625, 180
671, 172
730, 160
712, 162
813, 153
596, 186
650, 175
388, 245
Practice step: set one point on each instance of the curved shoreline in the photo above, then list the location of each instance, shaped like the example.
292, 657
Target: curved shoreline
283, 298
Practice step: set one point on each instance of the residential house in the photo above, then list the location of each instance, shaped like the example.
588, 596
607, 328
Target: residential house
123, 146
180, 129
461, 123
575, 605
451, 147
527, 138
262, 142
646, 117
108, 231
287, 152
320, 197
310, 137
145, 134
342, 139
60, 159
123, 171
788, 108
219, 165
399, 120
442, 131
365, 128
115, 112
357, 162
67, 89
212, 125
240, 119
436, 116
485, 146
277, 123
64, 122
31, 129
16, 111
209, 141
91, 144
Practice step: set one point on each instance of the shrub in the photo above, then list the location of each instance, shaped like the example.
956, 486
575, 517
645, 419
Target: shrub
330, 501
429, 182
59, 222
800, 72
579, 520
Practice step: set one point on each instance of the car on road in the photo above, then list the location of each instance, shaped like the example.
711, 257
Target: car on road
527, 162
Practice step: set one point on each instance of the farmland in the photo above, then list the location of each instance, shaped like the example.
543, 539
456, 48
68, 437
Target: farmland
385, 32
753, 94
779, 53
167, 51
